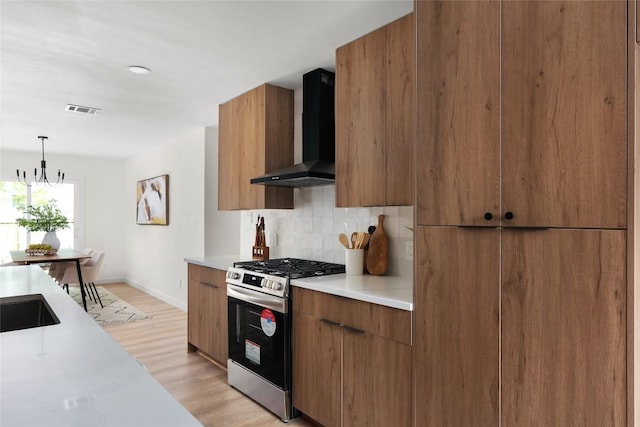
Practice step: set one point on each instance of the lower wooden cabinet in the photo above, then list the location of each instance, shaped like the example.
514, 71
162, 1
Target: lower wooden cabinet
207, 312
520, 327
345, 373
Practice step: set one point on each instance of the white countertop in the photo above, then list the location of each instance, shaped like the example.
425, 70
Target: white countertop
396, 292
220, 262
74, 373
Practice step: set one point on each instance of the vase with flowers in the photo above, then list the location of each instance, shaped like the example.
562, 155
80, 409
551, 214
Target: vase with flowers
45, 217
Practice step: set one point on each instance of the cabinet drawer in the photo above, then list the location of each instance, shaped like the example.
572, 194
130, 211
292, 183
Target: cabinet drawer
208, 276
376, 319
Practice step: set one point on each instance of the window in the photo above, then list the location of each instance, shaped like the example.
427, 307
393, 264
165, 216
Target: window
14, 196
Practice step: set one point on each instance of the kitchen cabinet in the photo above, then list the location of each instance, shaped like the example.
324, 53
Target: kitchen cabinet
374, 127
559, 318
523, 127
255, 137
207, 312
351, 361
556, 153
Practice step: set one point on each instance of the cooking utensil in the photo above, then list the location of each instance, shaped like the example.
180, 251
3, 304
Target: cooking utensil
344, 240
354, 237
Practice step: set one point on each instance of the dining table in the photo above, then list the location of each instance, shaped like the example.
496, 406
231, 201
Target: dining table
63, 255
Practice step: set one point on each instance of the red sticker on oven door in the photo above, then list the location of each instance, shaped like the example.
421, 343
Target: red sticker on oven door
268, 322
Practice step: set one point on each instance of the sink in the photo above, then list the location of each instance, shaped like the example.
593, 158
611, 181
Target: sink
24, 312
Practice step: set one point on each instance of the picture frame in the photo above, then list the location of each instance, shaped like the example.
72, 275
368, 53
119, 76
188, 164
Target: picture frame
152, 201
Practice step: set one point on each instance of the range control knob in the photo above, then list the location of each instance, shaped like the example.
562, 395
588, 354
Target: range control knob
263, 283
235, 275
277, 286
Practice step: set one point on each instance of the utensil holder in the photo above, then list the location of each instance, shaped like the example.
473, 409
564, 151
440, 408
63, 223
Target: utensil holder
354, 262
261, 253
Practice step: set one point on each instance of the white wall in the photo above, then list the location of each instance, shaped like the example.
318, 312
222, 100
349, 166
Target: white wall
100, 182
155, 254
221, 228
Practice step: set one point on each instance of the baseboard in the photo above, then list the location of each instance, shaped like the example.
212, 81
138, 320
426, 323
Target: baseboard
153, 292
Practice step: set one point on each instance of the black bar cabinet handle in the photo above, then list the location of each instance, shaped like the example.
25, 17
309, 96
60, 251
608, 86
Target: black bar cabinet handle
352, 329
209, 284
330, 322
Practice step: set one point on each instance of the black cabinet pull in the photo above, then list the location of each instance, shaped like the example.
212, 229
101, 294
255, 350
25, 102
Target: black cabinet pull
353, 330
508, 215
330, 322
211, 285
488, 216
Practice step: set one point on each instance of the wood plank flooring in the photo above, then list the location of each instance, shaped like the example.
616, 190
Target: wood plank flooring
160, 343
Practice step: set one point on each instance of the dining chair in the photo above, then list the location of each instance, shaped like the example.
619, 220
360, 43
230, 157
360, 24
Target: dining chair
90, 270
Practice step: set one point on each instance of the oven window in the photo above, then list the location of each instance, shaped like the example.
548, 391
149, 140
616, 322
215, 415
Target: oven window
259, 340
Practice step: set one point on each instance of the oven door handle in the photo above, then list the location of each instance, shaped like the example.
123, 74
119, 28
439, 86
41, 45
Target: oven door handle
257, 298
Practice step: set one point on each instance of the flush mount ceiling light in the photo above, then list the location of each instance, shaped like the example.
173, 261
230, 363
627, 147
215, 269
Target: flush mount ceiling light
42, 179
139, 69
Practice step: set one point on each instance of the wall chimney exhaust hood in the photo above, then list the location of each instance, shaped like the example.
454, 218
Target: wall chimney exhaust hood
318, 136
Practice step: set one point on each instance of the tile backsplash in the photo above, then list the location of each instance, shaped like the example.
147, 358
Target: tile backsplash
310, 231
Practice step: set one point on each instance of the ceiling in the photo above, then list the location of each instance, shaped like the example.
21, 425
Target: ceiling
201, 53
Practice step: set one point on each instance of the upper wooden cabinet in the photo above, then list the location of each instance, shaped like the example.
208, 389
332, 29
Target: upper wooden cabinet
556, 152
255, 137
374, 120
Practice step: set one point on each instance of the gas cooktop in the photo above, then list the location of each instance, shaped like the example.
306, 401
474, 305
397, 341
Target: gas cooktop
292, 268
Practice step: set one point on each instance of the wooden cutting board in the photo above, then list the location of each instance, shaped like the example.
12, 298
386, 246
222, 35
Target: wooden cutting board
378, 254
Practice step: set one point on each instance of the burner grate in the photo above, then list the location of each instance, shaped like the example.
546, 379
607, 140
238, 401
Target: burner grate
293, 268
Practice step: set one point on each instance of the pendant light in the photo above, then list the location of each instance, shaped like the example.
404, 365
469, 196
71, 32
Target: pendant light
42, 179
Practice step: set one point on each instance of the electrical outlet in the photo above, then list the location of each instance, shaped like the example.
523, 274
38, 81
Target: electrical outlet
409, 250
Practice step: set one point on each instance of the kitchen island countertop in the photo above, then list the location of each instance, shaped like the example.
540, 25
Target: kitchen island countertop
74, 373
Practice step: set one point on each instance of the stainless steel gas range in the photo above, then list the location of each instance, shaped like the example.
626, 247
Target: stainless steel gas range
259, 362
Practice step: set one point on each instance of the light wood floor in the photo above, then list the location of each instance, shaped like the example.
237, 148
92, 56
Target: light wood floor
199, 385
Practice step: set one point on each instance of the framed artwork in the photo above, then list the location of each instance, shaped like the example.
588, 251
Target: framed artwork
152, 201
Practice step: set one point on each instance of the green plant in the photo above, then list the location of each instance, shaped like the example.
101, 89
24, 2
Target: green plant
44, 217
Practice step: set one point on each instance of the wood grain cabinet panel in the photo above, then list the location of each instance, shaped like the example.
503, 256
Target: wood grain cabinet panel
317, 352
458, 112
563, 328
564, 149
207, 312
255, 137
374, 131
344, 375
376, 382
457, 337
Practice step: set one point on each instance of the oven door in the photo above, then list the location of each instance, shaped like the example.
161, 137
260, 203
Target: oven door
260, 334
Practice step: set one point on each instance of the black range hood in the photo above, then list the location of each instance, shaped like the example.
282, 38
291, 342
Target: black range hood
318, 136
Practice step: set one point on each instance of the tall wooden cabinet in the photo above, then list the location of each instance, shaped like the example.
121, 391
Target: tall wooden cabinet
255, 137
207, 312
521, 296
374, 129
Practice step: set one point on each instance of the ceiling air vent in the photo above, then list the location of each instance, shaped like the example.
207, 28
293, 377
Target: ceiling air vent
81, 109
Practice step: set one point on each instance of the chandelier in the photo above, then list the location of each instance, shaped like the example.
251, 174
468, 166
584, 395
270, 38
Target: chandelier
42, 179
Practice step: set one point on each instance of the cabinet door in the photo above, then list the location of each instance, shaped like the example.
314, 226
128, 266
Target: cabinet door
317, 363
214, 295
360, 121
376, 381
458, 112
564, 113
456, 350
563, 328
229, 157
251, 146
400, 96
